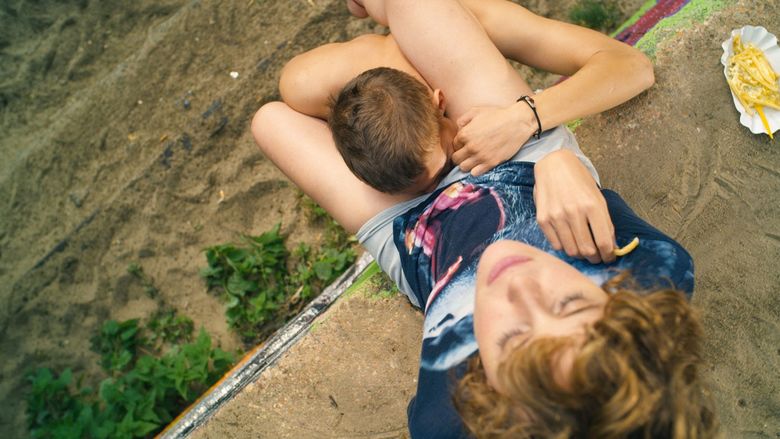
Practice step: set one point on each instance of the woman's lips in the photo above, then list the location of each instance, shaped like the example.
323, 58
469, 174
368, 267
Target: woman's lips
505, 263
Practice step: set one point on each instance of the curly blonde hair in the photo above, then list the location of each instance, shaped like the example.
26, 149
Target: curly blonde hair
636, 375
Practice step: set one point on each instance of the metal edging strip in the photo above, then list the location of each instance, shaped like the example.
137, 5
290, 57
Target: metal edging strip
249, 369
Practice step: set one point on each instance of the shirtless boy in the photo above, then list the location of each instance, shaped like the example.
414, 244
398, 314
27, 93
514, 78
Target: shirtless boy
484, 125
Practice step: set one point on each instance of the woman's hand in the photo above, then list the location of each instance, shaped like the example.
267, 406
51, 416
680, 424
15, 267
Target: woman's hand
488, 136
571, 210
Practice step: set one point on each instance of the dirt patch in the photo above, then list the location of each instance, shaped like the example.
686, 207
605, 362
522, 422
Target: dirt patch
351, 376
120, 127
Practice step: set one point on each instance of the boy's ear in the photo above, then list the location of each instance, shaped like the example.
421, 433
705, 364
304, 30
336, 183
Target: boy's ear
357, 9
439, 100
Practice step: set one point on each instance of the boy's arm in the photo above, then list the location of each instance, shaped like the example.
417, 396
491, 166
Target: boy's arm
603, 73
302, 148
311, 79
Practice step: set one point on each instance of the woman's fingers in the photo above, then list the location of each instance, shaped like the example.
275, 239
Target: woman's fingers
586, 248
468, 164
565, 235
460, 155
590, 237
481, 169
549, 232
603, 232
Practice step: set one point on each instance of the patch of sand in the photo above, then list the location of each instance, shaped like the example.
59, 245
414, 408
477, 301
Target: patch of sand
119, 126
680, 157
350, 376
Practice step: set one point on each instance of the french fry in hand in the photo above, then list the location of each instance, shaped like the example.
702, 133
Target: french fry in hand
628, 248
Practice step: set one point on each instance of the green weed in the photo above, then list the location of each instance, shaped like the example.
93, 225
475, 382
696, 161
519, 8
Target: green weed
262, 283
143, 392
166, 326
602, 15
117, 344
251, 275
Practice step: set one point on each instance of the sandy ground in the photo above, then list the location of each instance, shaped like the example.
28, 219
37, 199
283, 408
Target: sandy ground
680, 157
351, 376
120, 124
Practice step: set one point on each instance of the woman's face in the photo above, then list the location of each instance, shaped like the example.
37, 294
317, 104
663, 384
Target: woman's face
524, 294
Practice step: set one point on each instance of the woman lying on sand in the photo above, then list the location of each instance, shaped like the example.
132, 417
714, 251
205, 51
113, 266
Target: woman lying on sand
540, 342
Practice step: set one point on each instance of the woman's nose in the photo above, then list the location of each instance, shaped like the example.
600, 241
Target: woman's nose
525, 292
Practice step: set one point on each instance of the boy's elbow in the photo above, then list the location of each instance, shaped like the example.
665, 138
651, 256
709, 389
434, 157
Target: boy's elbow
644, 71
289, 80
302, 86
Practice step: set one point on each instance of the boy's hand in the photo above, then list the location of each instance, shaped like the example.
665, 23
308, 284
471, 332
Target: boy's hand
571, 210
488, 136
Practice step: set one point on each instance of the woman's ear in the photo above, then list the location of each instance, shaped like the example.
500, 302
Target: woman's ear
439, 100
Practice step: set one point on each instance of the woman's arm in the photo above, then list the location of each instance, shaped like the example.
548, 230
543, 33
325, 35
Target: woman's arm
472, 71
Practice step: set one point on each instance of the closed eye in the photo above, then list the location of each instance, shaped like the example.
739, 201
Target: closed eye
568, 299
561, 306
505, 338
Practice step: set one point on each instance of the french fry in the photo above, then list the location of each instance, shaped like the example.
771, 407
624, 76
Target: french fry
764, 121
763, 102
628, 248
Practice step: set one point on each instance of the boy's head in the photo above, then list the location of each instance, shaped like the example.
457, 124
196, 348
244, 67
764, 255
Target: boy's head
386, 127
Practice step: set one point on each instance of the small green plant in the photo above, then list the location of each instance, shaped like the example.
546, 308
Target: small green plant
117, 344
165, 326
313, 272
142, 394
602, 15
251, 275
261, 282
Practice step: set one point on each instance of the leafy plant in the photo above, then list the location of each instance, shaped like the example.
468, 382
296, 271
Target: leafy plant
116, 343
601, 15
251, 275
53, 409
259, 278
141, 395
166, 326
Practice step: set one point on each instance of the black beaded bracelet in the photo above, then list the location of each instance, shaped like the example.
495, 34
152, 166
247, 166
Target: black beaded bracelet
530, 101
